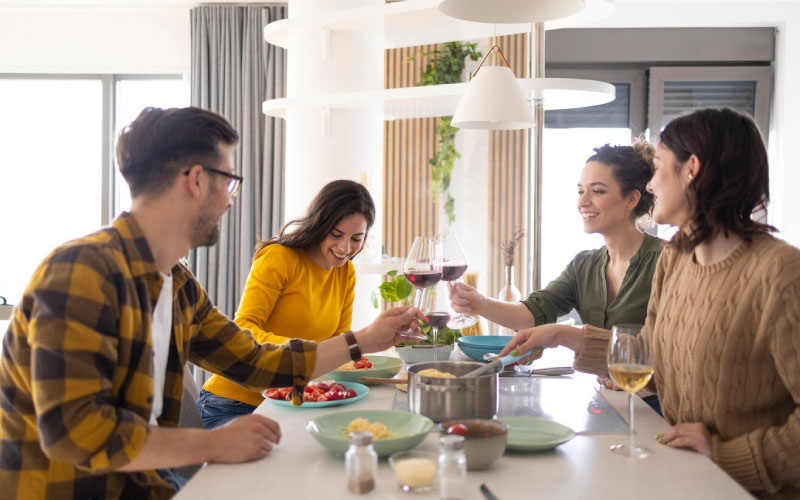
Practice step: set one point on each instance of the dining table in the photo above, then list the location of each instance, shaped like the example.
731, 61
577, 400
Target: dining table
583, 467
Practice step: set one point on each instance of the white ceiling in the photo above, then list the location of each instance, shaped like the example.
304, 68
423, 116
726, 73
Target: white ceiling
628, 13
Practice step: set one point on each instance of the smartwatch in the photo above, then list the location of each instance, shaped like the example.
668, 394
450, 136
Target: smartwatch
352, 345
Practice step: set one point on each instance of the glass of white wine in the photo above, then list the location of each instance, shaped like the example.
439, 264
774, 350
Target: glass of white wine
630, 368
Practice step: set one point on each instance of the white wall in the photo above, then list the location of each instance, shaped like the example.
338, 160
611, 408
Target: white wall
94, 39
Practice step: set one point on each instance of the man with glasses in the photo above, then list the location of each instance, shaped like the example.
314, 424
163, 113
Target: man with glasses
91, 376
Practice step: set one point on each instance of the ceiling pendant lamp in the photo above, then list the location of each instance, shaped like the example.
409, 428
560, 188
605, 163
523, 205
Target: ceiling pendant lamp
510, 11
493, 99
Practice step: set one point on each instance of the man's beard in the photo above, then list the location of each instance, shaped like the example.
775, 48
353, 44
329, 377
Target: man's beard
205, 227
205, 231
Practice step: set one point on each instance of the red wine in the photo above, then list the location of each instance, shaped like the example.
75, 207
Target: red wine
424, 279
437, 319
452, 273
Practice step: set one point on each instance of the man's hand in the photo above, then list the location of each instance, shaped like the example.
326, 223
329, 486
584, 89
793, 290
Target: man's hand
380, 334
694, 436
245, 438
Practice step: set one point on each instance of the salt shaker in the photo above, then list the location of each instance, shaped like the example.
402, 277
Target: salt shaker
452, 467
361, 463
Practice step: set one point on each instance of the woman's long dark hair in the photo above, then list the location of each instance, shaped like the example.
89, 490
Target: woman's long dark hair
336, 200
733, 181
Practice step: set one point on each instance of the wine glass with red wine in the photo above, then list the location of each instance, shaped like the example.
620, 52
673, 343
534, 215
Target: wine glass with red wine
423, 266
454, 264
436, 314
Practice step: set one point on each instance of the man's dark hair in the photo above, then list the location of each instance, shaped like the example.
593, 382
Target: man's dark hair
154, 148
733, 181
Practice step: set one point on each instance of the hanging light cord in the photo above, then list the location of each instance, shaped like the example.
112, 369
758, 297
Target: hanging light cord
494, 48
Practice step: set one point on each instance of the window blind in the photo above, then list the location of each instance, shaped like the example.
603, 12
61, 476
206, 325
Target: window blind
680, 97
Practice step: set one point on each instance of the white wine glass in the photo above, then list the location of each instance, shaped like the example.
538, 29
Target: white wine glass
630, 368
454, 264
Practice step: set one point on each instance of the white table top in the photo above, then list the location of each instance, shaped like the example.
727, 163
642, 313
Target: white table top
582, 468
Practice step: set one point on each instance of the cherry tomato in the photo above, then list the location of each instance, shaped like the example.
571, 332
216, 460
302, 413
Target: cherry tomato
459, 429
322, 386
350, 393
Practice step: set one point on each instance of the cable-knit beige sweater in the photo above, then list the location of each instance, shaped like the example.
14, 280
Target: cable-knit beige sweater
725, 344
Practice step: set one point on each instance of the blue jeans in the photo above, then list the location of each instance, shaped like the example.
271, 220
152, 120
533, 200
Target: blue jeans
173, 478
216, 410
654, 403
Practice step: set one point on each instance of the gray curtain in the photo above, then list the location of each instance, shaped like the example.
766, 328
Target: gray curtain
233, 72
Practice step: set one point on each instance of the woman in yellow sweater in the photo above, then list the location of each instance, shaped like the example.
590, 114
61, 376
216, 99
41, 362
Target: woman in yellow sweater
724, 315
301, 285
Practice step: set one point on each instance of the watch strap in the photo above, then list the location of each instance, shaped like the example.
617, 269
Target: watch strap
352, 345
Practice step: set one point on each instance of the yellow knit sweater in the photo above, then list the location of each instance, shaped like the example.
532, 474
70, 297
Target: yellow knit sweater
725, 344
288, 295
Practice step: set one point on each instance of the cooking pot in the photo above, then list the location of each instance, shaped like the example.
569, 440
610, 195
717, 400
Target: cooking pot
452, 398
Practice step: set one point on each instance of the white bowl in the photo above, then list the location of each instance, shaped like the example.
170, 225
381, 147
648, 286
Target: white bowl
411, 354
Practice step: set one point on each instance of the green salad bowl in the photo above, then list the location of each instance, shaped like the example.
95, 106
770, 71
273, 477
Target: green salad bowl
382, 367
330, 430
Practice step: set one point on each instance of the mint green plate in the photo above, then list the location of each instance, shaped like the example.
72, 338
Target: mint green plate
412, 428
382, 367
535, 434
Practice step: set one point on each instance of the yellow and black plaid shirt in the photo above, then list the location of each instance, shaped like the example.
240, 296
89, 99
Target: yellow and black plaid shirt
76, 374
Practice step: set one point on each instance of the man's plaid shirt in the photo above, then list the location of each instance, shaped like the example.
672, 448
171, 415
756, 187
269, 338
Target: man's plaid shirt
76, 374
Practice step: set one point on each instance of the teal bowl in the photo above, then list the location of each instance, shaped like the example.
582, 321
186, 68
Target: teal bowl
477, 345
330, 430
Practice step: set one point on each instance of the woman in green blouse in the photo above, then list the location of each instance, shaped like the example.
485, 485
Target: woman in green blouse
609, 285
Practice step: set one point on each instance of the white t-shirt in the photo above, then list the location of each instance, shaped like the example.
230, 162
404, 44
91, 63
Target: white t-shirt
161, 332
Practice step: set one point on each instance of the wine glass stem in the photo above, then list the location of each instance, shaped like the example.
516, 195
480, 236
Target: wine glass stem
418, 298
435, 330
630, 421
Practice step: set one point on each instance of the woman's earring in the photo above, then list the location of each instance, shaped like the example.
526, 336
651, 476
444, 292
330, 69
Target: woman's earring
690, 177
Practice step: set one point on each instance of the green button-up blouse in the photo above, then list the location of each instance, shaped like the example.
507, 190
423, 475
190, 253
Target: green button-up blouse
582, 286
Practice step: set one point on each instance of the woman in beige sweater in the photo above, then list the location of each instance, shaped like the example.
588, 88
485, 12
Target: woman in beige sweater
723, 322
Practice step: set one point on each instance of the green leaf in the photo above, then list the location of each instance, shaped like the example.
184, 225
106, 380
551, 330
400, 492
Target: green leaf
392, 273
374, 299
403, 287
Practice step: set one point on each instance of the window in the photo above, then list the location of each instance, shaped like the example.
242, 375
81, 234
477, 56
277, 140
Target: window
676, 90
56, 139
570, 137
52, 143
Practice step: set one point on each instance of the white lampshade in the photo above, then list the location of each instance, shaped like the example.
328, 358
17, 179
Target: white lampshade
494, 101
510, 11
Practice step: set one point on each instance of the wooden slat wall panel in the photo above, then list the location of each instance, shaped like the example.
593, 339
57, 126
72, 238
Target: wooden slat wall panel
508, 180
409, 209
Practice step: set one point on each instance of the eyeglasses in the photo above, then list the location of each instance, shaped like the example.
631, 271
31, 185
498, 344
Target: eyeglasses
234, 181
